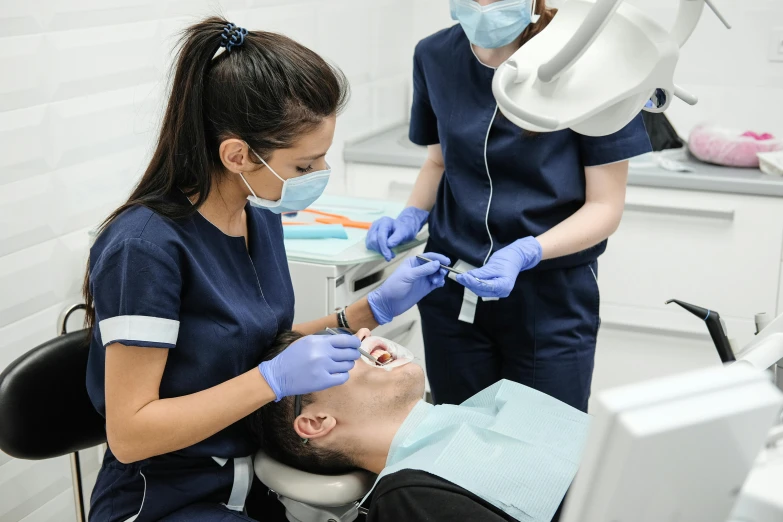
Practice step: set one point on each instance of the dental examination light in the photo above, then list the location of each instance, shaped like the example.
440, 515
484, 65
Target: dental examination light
595, 67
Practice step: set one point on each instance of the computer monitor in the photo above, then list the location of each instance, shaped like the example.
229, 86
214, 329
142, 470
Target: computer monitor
676, 449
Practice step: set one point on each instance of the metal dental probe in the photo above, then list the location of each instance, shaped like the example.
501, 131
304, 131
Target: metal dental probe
361, 350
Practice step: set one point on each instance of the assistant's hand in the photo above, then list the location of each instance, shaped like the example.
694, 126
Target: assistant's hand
387, 233
311, 364
498, 276
413, 280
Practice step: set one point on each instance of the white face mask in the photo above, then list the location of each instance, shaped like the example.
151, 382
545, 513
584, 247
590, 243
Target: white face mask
298, 193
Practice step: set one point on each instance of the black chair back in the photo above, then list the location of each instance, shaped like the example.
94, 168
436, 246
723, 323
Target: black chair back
45, 411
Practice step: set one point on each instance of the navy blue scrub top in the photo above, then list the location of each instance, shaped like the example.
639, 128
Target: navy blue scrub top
530, 183
188, 287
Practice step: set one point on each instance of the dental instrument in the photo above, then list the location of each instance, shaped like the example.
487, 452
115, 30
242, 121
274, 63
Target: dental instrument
362, 351
372, 358
715, 325
595, 67
445, 267
328, 218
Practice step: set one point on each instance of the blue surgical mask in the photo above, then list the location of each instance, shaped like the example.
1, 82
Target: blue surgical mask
494, 25
298, 193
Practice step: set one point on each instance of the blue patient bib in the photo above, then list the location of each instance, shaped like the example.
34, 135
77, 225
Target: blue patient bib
511, 445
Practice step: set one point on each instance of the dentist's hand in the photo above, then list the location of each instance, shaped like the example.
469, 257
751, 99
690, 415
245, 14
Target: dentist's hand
413, 280
311, 364
498, 276
387, 233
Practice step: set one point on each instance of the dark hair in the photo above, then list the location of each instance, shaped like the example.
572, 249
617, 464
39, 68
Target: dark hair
268, 91
272, 427
546, 16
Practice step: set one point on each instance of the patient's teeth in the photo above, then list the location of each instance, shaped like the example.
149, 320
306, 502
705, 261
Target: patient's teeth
384, 358
388, 353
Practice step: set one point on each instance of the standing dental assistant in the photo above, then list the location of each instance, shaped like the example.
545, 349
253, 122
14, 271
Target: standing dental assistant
188, 283
532, 211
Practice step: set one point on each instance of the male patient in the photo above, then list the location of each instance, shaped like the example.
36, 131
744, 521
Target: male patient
508, 453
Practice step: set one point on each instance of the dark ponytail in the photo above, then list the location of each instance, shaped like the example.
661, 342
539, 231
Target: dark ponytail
546, 14
268, 91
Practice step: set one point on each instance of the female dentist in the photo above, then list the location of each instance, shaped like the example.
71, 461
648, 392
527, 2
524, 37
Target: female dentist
188, 282
533, 211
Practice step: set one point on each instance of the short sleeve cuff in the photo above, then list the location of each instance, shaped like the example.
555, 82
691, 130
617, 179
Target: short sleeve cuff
139, 330
423, 137
629, 142
625, 149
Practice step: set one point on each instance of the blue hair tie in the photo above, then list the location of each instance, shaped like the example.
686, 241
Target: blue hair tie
233, 36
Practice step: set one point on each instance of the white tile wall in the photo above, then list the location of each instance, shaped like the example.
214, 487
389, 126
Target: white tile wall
729, 71
80, 98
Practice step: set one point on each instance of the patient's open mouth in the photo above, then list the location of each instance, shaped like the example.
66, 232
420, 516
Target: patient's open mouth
382, 356
388, 353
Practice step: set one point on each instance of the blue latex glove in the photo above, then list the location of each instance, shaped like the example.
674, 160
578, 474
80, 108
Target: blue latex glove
387, 233
311, 364
413, 280
497, 277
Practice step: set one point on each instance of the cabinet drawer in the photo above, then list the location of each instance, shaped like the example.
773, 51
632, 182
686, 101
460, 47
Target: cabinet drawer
380, 181
715, 250
360, 280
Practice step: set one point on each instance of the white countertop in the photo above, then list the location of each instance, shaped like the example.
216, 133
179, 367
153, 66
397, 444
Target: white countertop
393, 148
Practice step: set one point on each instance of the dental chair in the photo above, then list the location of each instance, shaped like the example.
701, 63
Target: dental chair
314, 498
45, 411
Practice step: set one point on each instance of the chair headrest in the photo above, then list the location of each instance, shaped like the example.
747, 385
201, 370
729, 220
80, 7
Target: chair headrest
45, 411
314, 490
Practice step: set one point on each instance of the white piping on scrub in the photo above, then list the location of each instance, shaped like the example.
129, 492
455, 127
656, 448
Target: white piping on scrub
486, 165
593, 271
134, 517
489, 203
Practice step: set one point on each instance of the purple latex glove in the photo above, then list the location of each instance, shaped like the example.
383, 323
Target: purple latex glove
311, 364
413, 280
498, 276
387, 233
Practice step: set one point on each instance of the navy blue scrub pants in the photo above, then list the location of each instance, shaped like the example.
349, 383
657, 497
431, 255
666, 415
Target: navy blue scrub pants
168, 488
543, 335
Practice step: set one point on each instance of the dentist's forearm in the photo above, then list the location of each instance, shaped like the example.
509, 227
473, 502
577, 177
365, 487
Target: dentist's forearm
587, 227
598, 218
426, 188
166, 425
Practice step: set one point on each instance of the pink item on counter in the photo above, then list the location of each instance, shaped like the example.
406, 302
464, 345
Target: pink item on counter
729, 147
760, 137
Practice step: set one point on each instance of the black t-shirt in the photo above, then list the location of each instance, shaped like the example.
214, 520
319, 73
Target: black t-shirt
417, 496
